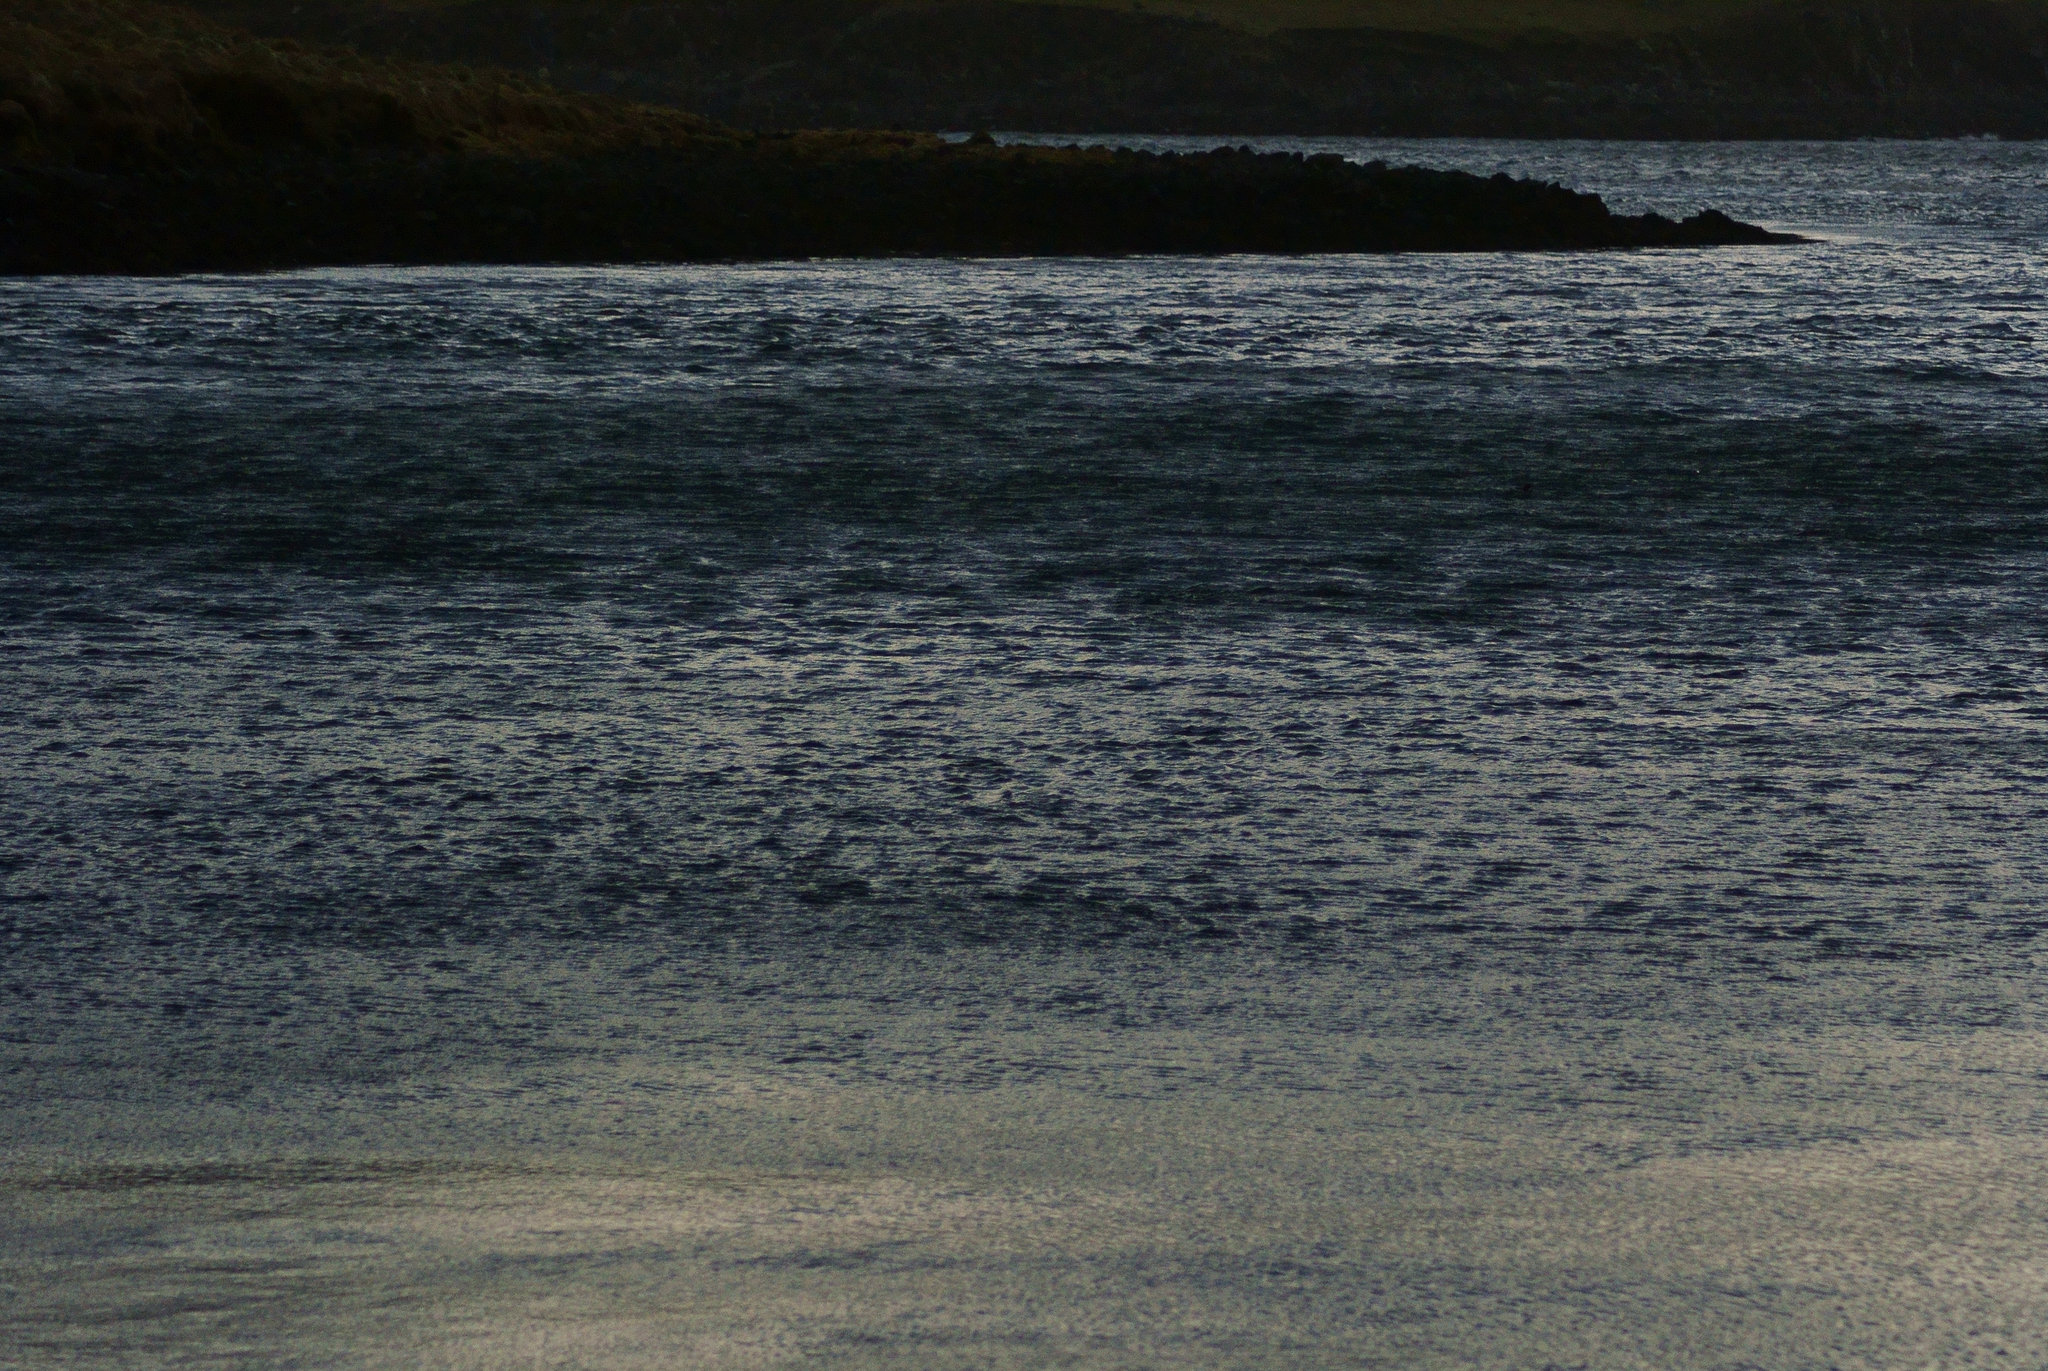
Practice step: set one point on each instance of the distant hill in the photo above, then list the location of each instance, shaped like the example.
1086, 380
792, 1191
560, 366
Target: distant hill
1482, 20
109, 86
1538, 68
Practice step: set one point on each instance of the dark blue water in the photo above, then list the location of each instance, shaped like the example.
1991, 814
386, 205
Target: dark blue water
1160, 812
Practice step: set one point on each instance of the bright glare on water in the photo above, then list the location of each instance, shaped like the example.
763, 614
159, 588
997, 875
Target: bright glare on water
1422, 811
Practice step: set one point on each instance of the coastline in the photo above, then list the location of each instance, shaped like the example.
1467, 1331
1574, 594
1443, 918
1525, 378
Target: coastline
783, 199
142, 139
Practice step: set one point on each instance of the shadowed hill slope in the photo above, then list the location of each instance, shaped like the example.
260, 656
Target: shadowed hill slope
1682, 68
109, 86
140, 138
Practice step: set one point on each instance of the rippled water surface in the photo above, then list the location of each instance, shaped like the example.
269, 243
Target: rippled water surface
1419, 811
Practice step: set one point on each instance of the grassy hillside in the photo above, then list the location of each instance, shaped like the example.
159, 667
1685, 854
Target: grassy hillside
1459, 18
1480, 20
109, 85
1484, 20
1514, 68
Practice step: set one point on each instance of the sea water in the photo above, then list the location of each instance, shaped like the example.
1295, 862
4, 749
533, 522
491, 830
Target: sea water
1479, 811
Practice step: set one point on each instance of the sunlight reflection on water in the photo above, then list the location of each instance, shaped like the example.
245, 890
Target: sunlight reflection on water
1468, 811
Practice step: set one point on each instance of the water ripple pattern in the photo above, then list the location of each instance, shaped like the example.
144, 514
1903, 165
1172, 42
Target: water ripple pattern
1159, 760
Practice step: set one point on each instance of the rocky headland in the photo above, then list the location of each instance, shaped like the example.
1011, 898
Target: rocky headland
138, 138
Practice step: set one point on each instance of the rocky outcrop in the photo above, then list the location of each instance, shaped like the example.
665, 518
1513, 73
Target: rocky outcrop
789, 198
138, 139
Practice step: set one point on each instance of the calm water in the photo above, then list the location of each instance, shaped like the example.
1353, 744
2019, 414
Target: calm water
1422, 811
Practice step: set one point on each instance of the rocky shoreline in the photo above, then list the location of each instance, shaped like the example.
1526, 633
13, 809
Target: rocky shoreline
193, 148
769, 200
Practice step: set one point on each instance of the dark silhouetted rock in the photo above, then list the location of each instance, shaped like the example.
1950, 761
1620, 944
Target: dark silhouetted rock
156, 143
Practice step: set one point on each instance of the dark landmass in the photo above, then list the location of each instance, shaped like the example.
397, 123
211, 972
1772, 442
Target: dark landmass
1787, 69
135, 138
790, 199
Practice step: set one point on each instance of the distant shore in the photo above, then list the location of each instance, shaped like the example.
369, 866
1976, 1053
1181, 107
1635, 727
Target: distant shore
1765, 69
137, 139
